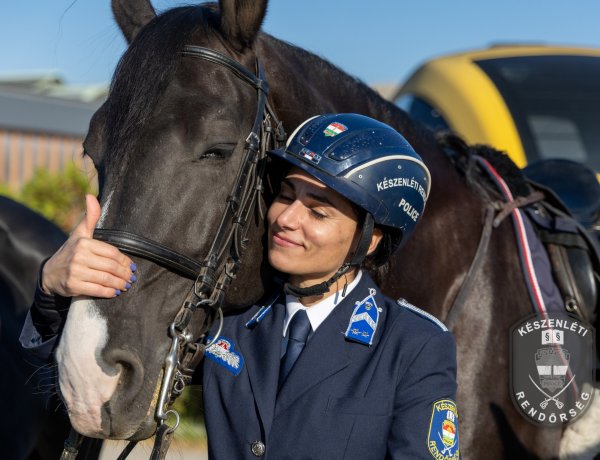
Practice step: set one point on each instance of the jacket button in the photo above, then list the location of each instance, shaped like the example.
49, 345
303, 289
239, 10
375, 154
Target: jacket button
258, 448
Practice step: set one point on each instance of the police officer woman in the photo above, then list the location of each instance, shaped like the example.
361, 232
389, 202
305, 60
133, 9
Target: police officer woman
330, 367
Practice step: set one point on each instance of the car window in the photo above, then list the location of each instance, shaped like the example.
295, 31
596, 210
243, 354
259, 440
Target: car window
555, 103
422, 111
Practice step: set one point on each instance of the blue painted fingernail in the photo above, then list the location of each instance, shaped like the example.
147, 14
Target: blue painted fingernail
127, 285
133, 278
117, 292
133, 267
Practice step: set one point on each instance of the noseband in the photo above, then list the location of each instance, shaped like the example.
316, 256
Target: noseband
213, 275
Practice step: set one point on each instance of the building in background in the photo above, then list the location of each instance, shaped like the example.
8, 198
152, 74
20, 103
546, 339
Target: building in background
42, 125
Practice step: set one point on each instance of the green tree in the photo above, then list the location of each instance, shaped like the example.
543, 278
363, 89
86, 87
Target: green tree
60, 197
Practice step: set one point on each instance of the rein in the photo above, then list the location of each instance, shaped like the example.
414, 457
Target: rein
219, 267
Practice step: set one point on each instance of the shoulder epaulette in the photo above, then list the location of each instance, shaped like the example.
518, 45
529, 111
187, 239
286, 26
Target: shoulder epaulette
424, 314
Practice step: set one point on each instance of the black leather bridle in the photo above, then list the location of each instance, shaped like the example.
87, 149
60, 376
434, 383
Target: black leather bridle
214, 274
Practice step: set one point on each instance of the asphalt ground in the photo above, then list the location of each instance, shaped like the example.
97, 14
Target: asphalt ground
178, 451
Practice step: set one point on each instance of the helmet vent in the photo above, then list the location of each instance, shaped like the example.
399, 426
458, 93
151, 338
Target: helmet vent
308, 133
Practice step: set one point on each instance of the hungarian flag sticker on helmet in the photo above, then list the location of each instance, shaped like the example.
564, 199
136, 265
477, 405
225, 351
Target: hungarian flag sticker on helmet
334, 129
310, 155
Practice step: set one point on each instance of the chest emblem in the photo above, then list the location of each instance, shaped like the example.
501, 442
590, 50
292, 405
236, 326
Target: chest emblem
363, 322
442, 439
223, 352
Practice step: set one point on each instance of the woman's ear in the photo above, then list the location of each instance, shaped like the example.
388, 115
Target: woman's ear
375, 240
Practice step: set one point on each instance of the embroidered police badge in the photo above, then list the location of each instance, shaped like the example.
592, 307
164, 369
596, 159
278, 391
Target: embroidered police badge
442, 439
222, 352
363, 322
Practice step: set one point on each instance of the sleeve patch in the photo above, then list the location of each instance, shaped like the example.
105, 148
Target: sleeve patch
442, 439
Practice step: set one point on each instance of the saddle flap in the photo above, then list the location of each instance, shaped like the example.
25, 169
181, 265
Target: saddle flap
573, 252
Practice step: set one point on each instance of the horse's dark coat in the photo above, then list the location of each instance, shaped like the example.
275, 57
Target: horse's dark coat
35, 424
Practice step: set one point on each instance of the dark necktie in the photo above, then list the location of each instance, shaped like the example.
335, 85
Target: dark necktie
298, 331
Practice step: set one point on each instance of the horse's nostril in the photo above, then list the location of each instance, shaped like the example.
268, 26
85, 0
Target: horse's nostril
131, 372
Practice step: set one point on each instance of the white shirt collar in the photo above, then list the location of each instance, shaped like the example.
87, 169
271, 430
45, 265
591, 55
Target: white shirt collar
319, 311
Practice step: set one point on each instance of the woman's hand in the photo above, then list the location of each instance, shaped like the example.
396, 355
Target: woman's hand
84, 266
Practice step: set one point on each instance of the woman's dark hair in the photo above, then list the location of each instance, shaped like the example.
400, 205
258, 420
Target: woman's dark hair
389, 242
387, 246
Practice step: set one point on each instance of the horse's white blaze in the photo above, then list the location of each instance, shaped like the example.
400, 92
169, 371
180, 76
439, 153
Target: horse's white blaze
104, 211
84, 384
581, 440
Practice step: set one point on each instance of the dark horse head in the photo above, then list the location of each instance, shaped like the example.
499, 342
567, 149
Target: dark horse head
168, 144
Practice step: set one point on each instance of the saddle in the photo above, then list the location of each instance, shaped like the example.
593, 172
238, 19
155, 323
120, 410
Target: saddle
572, 197
573, 252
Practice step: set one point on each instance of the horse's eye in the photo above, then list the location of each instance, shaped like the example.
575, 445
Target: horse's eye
218, 151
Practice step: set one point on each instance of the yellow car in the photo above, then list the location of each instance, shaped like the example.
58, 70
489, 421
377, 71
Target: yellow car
534, 102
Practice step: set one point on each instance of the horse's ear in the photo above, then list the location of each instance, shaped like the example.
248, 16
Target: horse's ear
132, 15
241, 20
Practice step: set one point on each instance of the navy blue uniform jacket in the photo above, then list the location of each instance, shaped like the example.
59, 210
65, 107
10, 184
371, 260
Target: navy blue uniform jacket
342, 399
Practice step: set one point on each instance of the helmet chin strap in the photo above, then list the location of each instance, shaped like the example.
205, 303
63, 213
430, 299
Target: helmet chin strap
359, 255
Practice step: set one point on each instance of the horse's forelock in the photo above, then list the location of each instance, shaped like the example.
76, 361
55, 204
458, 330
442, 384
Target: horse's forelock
144, 72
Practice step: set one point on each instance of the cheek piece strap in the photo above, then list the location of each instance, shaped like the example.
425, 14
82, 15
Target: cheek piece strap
357, 258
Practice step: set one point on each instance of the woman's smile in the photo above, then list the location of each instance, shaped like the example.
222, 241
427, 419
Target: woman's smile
286, 242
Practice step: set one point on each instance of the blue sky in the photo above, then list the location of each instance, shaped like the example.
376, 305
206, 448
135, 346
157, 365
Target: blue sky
381, 43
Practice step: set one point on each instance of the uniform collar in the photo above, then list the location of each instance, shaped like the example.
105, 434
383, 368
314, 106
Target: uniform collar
318, 312
329, 350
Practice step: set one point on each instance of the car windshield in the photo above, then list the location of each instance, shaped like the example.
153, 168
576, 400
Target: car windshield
555, 103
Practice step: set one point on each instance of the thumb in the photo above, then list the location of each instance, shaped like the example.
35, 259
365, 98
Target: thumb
92, 215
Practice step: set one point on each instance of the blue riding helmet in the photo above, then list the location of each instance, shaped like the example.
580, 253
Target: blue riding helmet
365, 161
